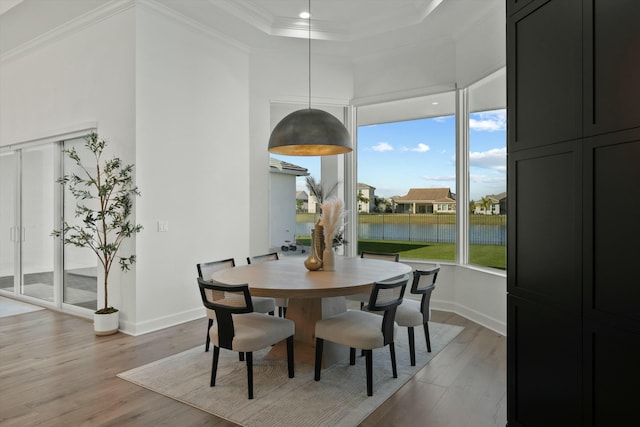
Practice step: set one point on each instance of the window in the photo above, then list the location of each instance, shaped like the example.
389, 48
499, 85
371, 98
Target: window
409, 167
407, 156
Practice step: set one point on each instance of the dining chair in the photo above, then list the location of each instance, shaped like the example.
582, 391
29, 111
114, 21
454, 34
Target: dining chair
282, 303
206, 269
364, 297
239, 328
365, 330
412, 313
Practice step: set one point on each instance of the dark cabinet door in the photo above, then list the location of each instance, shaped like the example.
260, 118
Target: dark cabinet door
543, 360
544, 62
611, 65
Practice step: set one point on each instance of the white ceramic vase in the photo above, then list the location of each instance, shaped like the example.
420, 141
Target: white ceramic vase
328, 260
105, 324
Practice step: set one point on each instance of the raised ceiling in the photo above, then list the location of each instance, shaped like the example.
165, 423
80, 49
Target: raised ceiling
346, 27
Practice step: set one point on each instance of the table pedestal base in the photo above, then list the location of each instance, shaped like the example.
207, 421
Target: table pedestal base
305, 312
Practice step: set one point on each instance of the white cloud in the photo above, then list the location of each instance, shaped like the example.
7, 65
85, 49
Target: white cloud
496, 159
440, 178
421, 148
382, 147
489, 121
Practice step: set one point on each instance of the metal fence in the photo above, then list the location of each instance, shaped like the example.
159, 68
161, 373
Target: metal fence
432, 228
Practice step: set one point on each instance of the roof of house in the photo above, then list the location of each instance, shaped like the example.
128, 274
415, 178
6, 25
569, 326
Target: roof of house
302, 195
433, 195
362, 185
280, 166
494, 198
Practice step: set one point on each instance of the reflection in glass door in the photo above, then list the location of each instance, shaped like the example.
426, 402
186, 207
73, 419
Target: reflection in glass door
9, 232
37, 215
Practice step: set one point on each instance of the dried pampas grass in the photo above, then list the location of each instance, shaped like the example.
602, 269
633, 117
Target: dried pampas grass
332, 215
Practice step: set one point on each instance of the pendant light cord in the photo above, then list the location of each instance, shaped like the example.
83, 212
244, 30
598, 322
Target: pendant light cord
309, 24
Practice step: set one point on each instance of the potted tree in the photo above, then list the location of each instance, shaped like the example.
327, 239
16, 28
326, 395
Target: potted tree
104, 199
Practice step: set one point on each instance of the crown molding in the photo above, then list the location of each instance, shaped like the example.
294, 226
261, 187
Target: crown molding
76, 25
188, 22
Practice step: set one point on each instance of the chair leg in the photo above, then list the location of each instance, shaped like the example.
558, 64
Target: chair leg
280, 312
208, 341
392, 350
352, 356
412, 346
318, 365
369, 366
426, 336
290, 356
241, 356
272, 313
214, 365
284, 312
250, 373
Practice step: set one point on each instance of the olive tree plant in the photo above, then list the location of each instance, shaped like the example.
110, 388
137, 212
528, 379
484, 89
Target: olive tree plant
104, 196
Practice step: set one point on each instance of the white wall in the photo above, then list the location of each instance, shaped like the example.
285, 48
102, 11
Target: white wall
192, 164
65, 82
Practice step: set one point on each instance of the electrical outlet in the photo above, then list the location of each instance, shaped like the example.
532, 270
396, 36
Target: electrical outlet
163, 225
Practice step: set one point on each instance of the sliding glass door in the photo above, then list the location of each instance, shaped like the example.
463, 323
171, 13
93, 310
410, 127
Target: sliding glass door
9, 231
37, 185
34, 264
80, 264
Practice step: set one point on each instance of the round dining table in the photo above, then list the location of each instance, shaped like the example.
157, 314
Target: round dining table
312, 295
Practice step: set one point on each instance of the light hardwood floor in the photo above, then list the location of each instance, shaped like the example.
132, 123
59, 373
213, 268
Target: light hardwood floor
55, 372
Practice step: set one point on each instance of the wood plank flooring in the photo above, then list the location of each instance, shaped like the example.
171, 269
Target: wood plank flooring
55, 372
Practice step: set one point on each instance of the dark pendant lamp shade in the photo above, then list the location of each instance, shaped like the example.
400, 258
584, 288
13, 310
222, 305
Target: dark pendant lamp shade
310, 132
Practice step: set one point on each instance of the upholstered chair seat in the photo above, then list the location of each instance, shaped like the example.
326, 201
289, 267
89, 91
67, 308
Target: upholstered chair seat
255, 331
363, 330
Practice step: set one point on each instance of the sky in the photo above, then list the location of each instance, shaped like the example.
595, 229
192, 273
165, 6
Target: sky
394, 157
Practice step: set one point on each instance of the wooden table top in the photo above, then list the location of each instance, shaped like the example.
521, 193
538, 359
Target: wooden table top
288, 277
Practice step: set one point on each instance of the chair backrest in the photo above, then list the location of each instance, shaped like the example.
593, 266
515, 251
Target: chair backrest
206, 269
380, 255
273, 256
387, 296
238, 303
424, 282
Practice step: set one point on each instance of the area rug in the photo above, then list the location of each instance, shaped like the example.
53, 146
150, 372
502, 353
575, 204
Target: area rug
338, 399
11, 307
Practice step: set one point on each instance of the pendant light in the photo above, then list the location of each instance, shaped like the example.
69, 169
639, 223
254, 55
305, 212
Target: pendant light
310, 132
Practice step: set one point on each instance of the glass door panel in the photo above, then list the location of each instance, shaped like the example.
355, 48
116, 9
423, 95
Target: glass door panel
80, 264
8, 229
37, 189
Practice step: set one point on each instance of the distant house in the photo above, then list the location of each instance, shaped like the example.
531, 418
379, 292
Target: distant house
302, 201
366, 198
497, 205
426, 200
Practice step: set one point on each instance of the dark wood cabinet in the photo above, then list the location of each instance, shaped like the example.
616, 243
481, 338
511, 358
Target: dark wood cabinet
544, 47
573, 105
611, 65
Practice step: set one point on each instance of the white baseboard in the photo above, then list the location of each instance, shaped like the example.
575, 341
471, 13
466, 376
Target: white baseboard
488, 322
159, 323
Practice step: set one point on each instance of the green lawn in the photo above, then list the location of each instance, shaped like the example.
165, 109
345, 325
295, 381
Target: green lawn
485, 255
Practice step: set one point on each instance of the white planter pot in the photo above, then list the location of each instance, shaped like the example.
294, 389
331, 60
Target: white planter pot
105, 324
